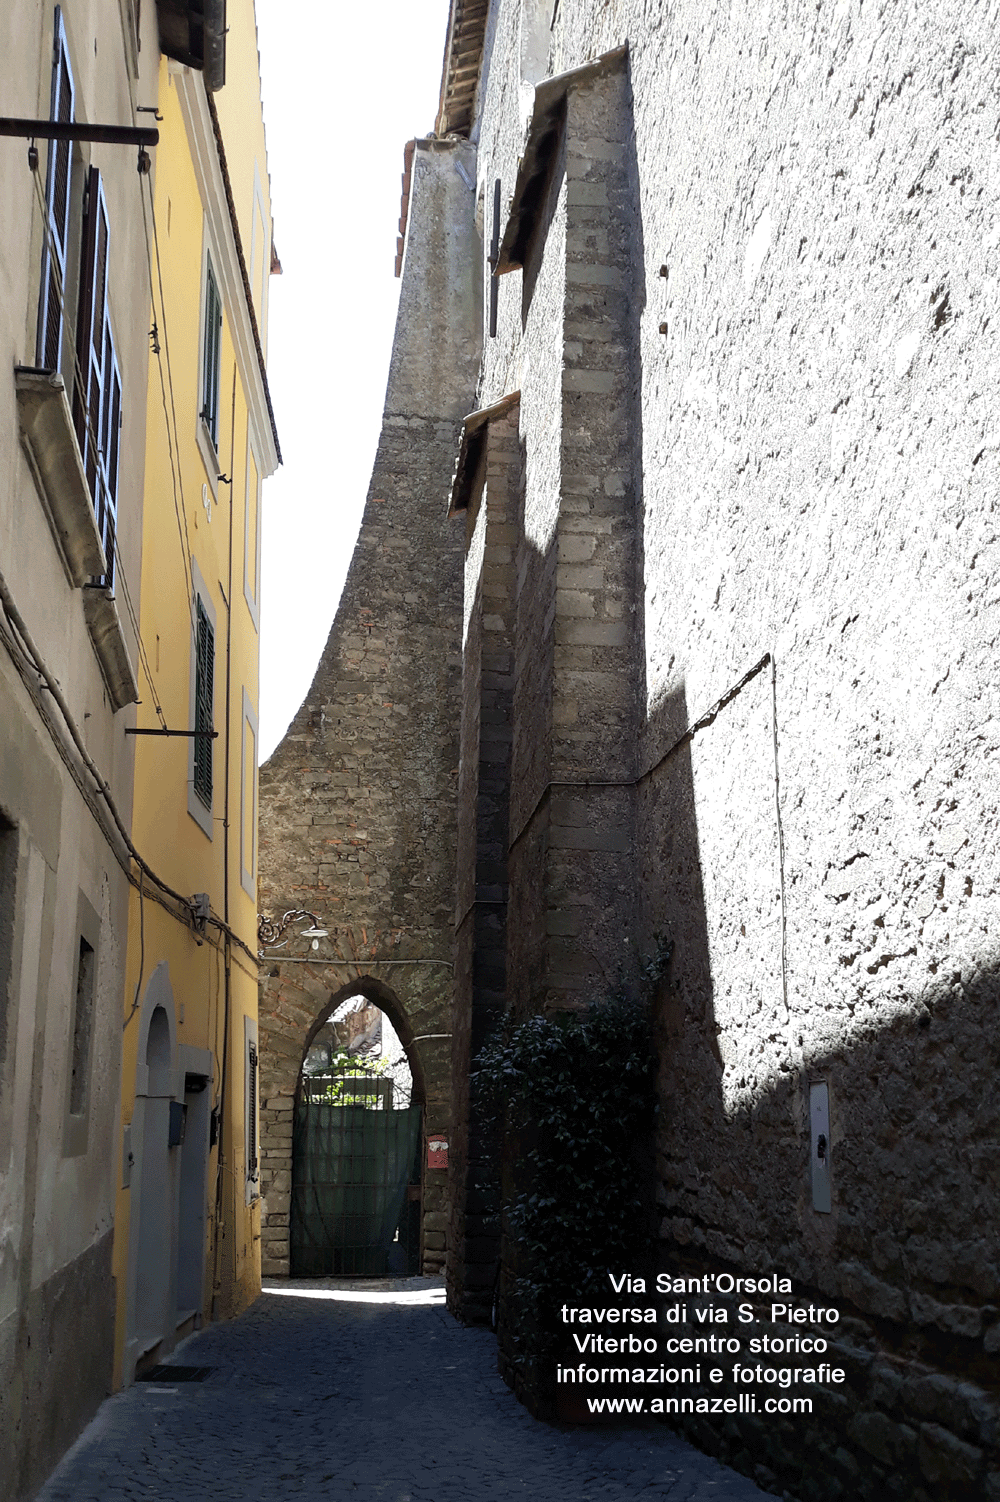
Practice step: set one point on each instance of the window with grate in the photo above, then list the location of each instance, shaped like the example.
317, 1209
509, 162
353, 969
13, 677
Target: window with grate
57, 207
83, 1016
97, 405
211, 356
204, 700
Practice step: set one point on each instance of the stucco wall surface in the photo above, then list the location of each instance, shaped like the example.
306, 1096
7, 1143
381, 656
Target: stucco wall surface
814, 472
61, 880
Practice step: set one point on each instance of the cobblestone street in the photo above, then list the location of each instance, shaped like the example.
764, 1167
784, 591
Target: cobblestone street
340, 1393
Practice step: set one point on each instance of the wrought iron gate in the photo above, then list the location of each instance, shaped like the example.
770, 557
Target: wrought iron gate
355, 1207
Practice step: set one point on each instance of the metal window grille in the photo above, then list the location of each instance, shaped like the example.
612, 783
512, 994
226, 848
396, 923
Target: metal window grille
204, 695
83, 1017
57, 203
211, 356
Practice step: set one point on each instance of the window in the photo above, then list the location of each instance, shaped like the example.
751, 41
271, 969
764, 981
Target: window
83, 1016
57, 210
211, 354
204, 700
251, 533
201, 703
98, 394
248, 801
80, 1044
8, 893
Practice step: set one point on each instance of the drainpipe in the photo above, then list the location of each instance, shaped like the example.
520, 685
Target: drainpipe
214, 44
228, 992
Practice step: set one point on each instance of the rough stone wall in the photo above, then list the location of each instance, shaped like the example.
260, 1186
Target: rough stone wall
816, 457
484, 818
572, 820
572, 557
358, 802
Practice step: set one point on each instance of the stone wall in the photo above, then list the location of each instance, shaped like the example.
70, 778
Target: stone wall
483, 821
805, 482
358, 801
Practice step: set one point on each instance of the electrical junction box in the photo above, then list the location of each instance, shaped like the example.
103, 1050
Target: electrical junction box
437, 1152
819, 1134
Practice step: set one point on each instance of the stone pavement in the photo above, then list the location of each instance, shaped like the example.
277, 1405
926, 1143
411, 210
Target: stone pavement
325, 1390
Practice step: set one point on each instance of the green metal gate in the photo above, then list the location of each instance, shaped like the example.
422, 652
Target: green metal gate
355, 1208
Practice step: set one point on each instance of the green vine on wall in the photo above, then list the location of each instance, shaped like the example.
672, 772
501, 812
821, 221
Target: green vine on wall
579, 1094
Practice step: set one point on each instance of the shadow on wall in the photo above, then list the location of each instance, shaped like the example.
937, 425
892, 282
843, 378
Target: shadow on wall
907, 1253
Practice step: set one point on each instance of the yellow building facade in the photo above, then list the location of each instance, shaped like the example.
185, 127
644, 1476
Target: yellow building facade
187, 1225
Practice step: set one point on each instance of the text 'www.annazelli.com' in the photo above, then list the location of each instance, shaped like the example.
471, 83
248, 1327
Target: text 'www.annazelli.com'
745, 1403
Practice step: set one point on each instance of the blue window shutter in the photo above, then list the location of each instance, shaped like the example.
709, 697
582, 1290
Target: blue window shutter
57, 200
97, 403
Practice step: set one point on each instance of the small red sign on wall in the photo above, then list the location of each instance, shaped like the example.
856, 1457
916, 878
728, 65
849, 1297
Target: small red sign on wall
437, 1152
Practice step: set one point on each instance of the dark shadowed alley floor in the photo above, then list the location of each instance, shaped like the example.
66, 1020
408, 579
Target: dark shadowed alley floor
341, 1392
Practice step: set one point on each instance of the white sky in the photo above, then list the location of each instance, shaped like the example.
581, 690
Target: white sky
345, 86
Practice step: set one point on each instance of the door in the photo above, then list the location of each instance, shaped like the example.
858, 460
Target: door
355, 1160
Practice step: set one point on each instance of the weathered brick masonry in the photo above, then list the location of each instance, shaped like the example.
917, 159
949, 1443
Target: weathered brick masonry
753, 343
358, 802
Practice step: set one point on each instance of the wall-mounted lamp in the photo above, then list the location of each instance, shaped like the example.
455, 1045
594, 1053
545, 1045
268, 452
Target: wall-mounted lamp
270, 930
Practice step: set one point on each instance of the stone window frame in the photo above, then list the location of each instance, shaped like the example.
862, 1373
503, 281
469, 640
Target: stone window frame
87, 933
253, 504
248, 799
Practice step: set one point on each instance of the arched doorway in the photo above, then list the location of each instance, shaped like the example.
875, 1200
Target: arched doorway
356, 1145
153, 1177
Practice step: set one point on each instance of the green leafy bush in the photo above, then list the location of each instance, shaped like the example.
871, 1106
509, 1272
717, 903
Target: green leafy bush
577, 1091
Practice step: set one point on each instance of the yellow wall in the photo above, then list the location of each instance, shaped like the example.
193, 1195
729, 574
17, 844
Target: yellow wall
190, 522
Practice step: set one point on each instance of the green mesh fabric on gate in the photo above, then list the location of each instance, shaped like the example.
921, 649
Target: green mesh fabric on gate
351, 1166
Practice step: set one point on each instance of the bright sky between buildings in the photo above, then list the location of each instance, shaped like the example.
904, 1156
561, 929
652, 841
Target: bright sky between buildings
345, 87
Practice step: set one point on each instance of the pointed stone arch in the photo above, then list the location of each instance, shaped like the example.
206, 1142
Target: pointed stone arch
385, 998
296, 999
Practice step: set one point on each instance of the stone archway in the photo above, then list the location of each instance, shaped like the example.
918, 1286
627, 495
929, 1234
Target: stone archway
297, 997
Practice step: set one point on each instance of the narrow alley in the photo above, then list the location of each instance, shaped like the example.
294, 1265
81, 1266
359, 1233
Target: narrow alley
337, 1392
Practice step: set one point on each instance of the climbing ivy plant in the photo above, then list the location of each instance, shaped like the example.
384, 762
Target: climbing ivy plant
577, 1091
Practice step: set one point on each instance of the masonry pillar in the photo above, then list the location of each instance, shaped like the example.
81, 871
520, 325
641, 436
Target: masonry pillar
358, 802
572, 870
487, 501
572, 866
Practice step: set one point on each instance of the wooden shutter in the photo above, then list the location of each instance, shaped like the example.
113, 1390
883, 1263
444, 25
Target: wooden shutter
97, 401
211, 356
204, 695
57, 186
252, 1164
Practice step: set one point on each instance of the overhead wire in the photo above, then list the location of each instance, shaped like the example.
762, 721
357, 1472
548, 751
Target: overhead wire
21, 646
177, 477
